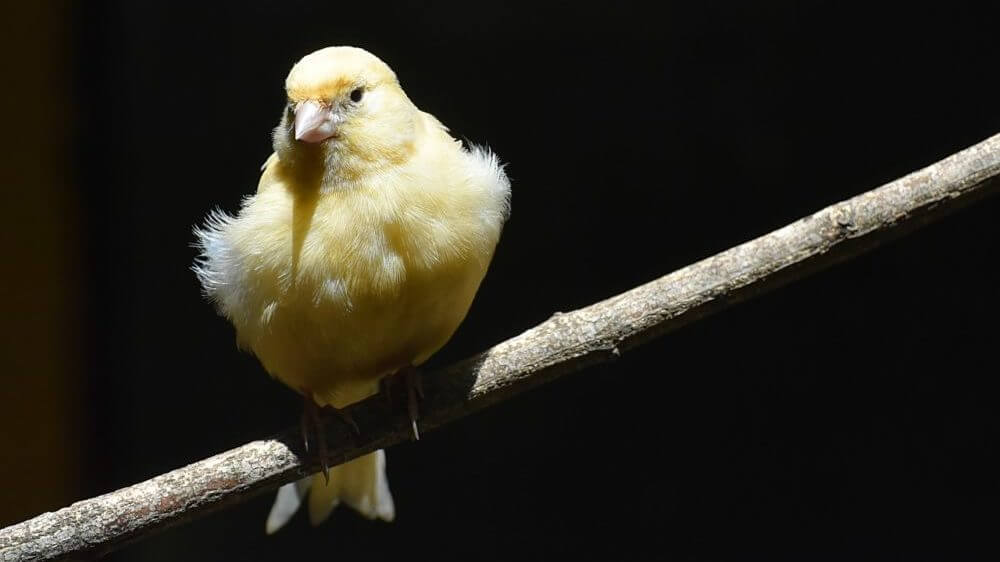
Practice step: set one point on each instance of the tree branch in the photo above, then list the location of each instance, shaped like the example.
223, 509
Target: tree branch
563, 344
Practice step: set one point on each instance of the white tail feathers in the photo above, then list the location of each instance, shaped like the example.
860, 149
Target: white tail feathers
360, 483
287, 503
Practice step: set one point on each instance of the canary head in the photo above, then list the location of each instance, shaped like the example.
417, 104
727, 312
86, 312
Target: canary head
346, 113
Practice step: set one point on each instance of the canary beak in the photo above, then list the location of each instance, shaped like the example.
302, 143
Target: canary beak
315, 122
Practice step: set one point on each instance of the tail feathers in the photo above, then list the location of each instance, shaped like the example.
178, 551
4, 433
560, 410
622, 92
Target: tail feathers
287, 503
360, 483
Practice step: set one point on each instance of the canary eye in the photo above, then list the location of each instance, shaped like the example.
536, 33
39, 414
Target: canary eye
356, 94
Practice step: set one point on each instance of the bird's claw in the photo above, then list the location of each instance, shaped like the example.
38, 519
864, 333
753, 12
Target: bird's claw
414, 393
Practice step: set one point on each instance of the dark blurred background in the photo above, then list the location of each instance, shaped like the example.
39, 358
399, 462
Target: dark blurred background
852, 414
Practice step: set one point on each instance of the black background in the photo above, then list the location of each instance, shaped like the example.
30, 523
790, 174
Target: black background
852, 414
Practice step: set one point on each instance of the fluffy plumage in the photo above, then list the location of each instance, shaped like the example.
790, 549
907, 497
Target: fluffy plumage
360, 253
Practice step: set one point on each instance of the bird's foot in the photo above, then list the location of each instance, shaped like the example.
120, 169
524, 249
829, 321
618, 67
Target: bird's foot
311, 423
410, 377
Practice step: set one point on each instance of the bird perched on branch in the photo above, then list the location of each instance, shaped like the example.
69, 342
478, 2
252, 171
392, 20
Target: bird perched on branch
358, 256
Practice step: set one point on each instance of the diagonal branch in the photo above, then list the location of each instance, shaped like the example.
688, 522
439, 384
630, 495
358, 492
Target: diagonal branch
563, 344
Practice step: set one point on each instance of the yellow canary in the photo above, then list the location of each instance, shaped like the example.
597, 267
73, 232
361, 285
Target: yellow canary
358, 256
